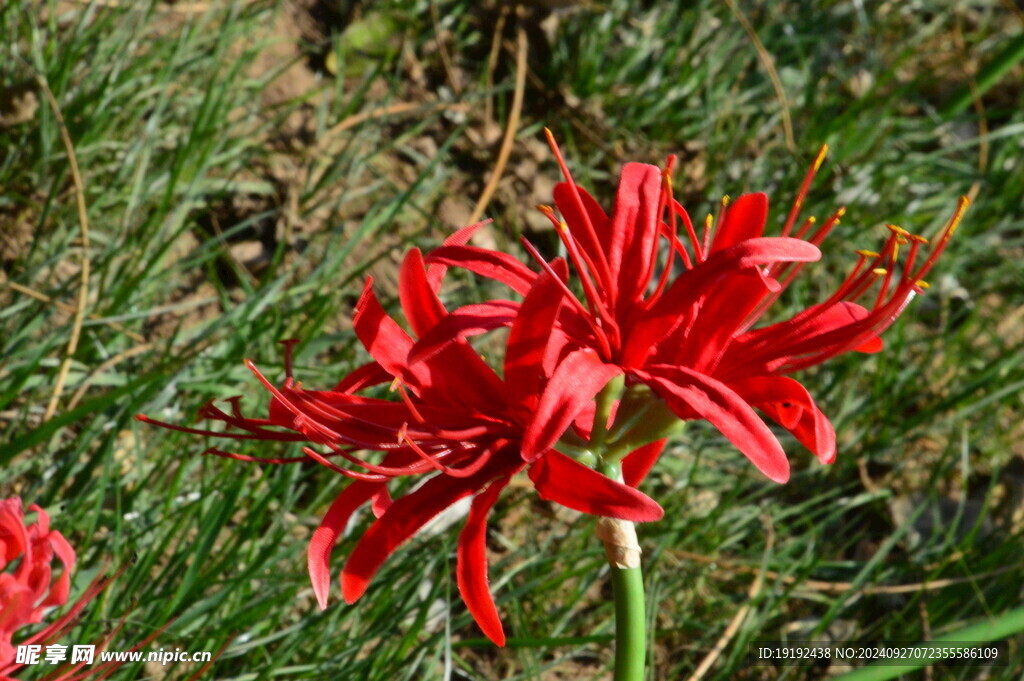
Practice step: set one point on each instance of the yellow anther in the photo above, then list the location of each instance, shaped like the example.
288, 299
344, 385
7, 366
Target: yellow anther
725, 200
841, 212
919, 239
923, 284
820, 158
708, 221
562, 227
954, 222
867, 253
897, 230
394, 384
880, 271
547, 210
902, 240
811, 220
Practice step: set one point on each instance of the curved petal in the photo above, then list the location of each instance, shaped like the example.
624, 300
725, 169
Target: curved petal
364, 376
419, 300
674, 305
401, 521
803, 329
474, 385
469, 320
571, 484
744, 219
60, 589
576, 381
471, 563
685, 390
702, 343
379, 333
634, 229
491, 264
871, 346
529, 337
435, 273
318, 553
638, 463
380, 502
567, 206
787, 402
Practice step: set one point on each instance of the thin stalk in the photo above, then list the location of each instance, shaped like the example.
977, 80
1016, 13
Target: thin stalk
630, 624
603, 410
619, 537
651, 422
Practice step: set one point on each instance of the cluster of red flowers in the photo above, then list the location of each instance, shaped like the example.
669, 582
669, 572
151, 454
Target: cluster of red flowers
663, 332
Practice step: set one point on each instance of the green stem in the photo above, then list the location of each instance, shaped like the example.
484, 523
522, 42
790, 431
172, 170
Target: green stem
630, 623
603, 410
653, 421
630, 615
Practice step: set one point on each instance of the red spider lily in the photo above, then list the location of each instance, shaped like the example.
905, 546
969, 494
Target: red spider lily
456, 421
689, 338
27, 586
29, 590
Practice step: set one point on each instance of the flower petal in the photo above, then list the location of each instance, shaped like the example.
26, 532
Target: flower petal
326, 535
60, 589
491, 264
674, 306
435, 273
576, 381
380, 334
471, 563
565, 481
788, 402
816, 330
574, 218
528, 338
720, 313
475, 384
419, 300
639, 462
685, 390
401, 521
469, 320
744, 219
871, 346
634, 229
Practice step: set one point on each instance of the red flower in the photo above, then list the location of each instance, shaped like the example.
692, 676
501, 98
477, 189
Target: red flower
456, 421
29, 590
689, 338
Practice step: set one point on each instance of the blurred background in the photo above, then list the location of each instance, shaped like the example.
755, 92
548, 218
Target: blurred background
243, 165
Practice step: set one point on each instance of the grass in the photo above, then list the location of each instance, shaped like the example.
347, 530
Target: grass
187, 159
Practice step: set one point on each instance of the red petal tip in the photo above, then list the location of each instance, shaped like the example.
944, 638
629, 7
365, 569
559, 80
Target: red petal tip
352, 587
